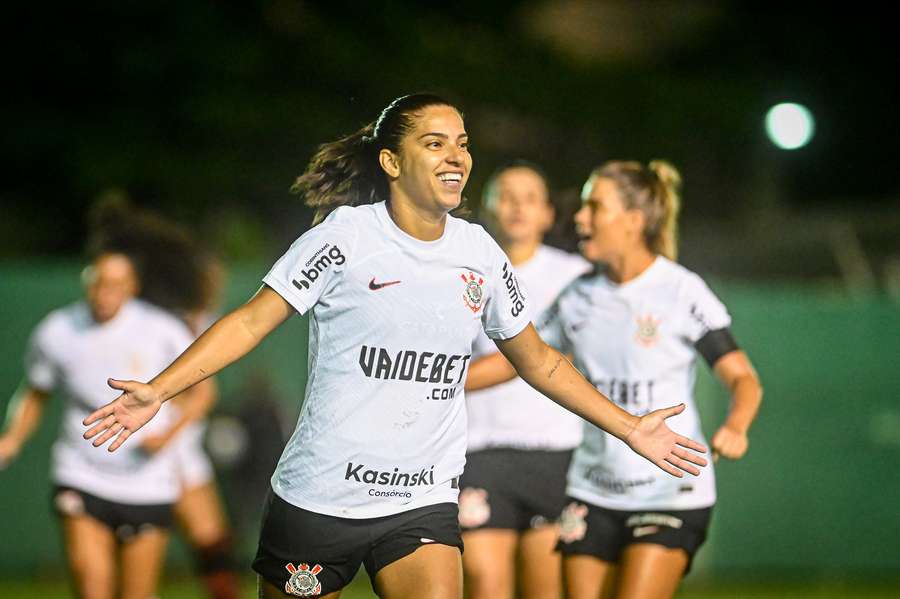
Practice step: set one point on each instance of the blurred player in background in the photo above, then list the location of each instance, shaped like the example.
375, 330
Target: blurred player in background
512, 428
115, 509
178, 275
635, 329
397, 290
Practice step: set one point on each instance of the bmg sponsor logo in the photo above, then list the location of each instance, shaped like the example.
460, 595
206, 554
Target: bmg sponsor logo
320, 262
512, 288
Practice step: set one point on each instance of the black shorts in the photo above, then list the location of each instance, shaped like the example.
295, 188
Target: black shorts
309, 554
587, 529
514, 489
124, 519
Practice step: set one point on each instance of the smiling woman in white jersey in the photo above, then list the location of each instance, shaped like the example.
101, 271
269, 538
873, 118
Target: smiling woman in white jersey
635, 329
515, 433
114, 510
396, 289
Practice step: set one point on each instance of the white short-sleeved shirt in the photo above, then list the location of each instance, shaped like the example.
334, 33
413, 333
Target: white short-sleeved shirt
71, 353
635, 343
392, 319
514, 414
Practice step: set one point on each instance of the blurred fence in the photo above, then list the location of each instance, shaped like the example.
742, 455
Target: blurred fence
817, 494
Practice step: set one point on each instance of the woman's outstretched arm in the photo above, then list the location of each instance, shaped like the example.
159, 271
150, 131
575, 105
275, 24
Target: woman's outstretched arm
229, 339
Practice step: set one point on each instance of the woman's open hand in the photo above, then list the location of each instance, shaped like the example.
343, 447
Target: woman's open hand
124, 415
655, 441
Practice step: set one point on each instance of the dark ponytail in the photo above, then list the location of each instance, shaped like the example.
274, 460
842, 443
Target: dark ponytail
343, 173
347, 172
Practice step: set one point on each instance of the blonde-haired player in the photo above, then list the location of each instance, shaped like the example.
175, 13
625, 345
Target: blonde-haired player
635, 327
635, 331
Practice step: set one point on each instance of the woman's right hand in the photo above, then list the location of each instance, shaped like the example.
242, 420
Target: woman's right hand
124, 415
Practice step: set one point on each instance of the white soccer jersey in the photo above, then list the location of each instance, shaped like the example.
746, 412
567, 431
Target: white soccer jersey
392, 318
513, 414
635, 343
71, 353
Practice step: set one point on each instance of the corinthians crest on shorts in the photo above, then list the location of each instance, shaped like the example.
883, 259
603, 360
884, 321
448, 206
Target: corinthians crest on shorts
474, 293
303, 581
572, 523
474, 509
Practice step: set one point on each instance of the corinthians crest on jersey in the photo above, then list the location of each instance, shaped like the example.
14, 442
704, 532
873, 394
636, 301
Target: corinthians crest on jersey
474, 292
647, 330
303, 581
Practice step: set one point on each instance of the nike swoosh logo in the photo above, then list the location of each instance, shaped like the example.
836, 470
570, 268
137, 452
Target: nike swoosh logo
376, 286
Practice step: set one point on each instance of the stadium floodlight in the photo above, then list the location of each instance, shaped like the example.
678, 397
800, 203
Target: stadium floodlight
790, 126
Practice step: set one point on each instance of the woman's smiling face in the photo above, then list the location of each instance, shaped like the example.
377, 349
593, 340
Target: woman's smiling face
434, 163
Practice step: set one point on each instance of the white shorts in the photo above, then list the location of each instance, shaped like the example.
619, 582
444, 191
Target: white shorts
194, 466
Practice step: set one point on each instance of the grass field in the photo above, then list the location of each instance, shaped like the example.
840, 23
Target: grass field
360, 589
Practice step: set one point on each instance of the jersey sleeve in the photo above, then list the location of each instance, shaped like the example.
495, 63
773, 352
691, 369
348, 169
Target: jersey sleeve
483, 346
705, 311
313, 264
707, 322
41, 370
507, 310
550, 327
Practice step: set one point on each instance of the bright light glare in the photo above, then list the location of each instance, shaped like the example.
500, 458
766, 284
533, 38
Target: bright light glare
790, 126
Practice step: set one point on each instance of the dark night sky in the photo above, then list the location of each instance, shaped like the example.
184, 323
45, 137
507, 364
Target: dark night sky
207, 111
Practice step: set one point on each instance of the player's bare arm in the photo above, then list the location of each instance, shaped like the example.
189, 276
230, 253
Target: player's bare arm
548, 371
226, 341
488, 371
739, 377
24, 416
